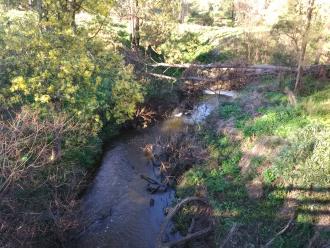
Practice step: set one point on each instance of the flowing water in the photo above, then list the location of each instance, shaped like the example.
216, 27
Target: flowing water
116, 210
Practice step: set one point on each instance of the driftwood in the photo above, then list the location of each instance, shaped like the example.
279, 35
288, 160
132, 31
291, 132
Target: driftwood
190, 236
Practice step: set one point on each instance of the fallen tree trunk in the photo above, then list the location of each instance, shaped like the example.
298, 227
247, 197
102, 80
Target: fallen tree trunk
238, 66
223, 66
199, 73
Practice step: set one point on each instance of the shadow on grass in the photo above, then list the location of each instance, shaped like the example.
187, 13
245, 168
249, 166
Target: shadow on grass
260, 220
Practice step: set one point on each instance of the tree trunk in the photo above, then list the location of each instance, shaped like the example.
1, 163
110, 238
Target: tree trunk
39, 8
73, 22
183, 12
233, 12
135, 24
304, 46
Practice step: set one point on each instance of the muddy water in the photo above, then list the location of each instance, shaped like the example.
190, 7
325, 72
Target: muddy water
117, 211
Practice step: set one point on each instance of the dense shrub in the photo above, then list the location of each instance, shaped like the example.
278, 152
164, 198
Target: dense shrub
61, 88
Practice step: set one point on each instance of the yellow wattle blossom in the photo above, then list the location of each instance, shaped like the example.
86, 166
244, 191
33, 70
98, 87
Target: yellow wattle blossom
19, 84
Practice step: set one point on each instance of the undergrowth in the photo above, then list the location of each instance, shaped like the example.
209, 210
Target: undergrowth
303, 163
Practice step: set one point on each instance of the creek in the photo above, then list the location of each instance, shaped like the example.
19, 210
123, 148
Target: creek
117, 210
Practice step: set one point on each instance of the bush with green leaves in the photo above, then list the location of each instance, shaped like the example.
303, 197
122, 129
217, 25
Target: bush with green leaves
183, 48
52, 70
58, 70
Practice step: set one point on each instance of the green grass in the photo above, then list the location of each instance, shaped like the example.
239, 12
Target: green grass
230, 109
303, 162
280, 121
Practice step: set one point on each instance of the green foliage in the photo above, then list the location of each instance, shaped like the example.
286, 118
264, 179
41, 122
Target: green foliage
303, 162
213, 55
160, 19
66, 72
157, 19
269, 176
230, 165
281, 121
276, 98
201, 18
306, 160
78, 88
215, 181
231, 109
195, 177
84, 155
292, 25
182, 48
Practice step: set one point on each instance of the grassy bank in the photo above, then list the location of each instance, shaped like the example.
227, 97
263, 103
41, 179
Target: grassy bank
269, 162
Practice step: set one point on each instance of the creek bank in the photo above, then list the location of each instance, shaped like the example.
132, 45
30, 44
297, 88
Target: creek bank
248, 141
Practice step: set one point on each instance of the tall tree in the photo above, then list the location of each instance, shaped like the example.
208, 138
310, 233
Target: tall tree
151, 21
135, 24
304, 43
303, 26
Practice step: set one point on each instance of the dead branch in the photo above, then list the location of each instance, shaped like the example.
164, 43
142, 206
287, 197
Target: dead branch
233, 229
192, 225
161, 76
315, 237
189, 237
282, 231
154, 186
150, 180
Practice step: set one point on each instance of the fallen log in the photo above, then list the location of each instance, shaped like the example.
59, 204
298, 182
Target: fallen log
161, 76
190, 236
238, 66
232, 72
249, 73
220, 66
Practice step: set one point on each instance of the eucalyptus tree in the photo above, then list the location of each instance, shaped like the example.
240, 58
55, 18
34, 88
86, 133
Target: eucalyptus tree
303, 26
